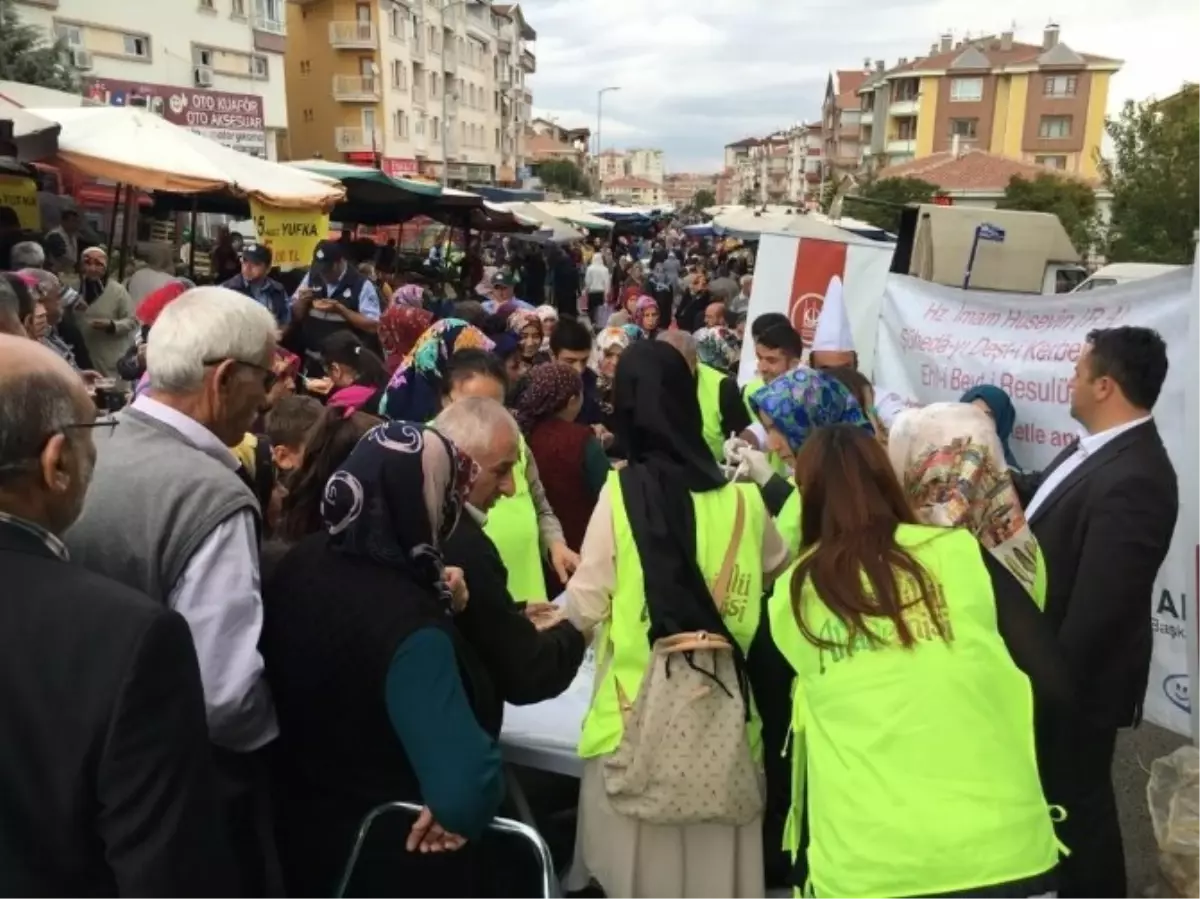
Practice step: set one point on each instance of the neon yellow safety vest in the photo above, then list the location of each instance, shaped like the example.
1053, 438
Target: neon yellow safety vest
787, 522
512, 525
781, 468
623, 647
708, 392
921, 774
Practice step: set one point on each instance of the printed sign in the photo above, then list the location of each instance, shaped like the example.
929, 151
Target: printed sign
937, 342
235, 120
817, 263
292, 234
20, 195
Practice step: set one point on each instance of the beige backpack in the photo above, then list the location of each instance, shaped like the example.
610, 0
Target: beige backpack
684, 757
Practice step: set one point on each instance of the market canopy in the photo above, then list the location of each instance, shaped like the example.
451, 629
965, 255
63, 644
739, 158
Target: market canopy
34, 137
575, 214
371, 185
130, 145
748, 224
558, 230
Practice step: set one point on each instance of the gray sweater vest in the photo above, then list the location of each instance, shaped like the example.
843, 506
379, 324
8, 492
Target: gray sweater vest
154, 498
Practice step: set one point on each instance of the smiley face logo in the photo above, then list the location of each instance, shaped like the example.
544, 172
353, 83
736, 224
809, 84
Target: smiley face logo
1175, 688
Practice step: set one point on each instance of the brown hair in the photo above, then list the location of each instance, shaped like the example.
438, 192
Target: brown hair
852, 506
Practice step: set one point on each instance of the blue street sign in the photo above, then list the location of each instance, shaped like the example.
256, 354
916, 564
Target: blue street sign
991, 232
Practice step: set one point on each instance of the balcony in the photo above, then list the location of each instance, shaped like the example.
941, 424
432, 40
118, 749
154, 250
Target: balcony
479, 22
528, 62
901, 145
449, 61
418, 95
268, 25
527, 97
353, 35
504, 45
866, 117
357, 88
904, 107
417, 46
420, 141
358, 140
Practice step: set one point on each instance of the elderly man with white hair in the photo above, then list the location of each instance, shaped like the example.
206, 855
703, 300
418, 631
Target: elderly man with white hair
171, 514
27, 254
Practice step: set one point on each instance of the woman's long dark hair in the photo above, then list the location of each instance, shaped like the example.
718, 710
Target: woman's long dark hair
852, 507
326, 447
346, 349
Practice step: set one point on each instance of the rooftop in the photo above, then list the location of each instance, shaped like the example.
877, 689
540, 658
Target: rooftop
846, 83
542, 145
974, 170
994, 52
631, 183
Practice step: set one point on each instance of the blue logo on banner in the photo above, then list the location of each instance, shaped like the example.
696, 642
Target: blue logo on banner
1175, 688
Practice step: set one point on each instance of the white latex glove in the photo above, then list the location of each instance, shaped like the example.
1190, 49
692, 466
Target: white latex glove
754, 464
732, 447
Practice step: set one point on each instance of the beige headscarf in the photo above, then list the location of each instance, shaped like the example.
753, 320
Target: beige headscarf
950, 463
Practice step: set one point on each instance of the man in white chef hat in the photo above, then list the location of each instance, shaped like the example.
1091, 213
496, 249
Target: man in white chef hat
833, 347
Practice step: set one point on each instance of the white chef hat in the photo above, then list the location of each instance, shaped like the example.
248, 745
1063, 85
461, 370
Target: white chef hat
833, 325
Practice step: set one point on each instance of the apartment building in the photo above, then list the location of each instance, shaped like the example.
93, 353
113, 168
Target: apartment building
806, 154
634, 192
785, 167
610, 165
547, 140
1041, 104
679, 188
645, 164
841, 121
411, 86
214, 66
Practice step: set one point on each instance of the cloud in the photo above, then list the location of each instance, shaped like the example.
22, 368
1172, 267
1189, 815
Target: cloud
698, 74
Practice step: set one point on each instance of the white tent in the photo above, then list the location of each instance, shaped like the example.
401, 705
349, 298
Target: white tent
560, 231
134, 146
748, 224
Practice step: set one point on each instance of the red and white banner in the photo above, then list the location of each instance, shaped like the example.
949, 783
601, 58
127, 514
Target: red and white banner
936, 342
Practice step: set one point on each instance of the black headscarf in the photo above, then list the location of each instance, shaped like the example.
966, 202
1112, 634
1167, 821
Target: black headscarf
656, 418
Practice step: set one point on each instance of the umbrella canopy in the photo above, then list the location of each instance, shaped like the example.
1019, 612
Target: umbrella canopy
558, 230
35, 137
748, 224
575, 214
130, 145
375, 182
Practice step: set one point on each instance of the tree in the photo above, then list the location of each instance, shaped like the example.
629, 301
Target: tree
747, 198
564, 175
888, 195
26, 55
1072, 200
1153, 176
704, 198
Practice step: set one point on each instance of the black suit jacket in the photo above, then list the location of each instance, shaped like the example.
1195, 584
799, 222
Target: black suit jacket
105, 768
1104, 533
525, 665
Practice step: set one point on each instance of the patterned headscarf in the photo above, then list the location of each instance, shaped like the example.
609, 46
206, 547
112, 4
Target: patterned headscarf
547, 314
948, 458
615, 337
719, 348
414, 392
639, 311
368, 507
548, 390
521, 319
409, 295
805, 399
399, 328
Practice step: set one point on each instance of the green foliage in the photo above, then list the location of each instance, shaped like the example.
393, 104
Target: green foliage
27, 56
888, 196
703, 199
564, 175
1073, 201
1153, 176
747, 198
828, 192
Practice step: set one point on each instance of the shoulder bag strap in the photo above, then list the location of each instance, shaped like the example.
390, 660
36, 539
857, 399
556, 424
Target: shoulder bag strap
721, 585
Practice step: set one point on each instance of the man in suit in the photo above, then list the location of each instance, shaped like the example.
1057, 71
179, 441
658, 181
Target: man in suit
1103, 512
105, 771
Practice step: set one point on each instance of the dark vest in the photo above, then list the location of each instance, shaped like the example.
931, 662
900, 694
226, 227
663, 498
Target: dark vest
558, 447
318, 325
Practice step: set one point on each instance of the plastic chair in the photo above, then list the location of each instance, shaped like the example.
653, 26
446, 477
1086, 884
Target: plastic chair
550, 888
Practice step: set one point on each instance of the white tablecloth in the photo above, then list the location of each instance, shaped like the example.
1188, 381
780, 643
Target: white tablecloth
546, 735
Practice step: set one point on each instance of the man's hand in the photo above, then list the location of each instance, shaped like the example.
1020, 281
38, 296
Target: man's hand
604, 435
330, 306
457, 582
91, 377
304, 299
428, 836
100, 324
544, 615
564, 560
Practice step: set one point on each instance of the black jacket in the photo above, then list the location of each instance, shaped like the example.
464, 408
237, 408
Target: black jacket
525, 665
106, 770
1104, 533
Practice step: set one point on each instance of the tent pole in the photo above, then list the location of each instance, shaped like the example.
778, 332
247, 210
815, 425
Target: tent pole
126, 226
112, 220
192, 240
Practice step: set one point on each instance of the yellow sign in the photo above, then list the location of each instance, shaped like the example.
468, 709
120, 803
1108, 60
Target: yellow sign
20, 194
292, 234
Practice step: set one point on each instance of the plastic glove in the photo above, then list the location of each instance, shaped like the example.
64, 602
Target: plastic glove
732, 447
755, 465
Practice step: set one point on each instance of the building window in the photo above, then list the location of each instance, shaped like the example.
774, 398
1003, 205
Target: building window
208, 5
305, 67
1060, 85
259, 67
1051, 162
202, 56
400, 75
308, 115
1054, 127
963, 127
136, 45
237, 9
435, 129
966, 90
400, 123
71, 35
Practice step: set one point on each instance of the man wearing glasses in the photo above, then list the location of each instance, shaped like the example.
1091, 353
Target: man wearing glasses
107, 758
171, 514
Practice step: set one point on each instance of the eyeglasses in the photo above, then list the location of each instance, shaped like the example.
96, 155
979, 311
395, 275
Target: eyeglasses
104, 426
269, 376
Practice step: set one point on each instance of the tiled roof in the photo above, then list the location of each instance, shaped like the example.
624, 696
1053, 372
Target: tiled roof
1019, 54
973, 170
631, 183
745, 142
545, 145
848, 83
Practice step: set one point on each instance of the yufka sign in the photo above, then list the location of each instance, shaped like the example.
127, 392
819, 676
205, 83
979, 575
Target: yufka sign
20, 195
292, 234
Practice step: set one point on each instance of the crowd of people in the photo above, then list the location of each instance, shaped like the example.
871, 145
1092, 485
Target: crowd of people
282, 547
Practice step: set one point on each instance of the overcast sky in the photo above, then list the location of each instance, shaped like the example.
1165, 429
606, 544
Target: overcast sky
698, 74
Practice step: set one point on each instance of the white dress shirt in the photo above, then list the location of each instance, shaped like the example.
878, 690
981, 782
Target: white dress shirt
1088, 445
218, 595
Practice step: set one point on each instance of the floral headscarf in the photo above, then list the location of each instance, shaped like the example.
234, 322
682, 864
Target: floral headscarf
805, 399
521, 319
639, 310
368, 508
548, 390
719, 348
414, 392
399, 328
547, 314
409, 295
949, 460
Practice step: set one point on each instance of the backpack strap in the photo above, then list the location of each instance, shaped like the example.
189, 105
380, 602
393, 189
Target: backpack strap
725, 575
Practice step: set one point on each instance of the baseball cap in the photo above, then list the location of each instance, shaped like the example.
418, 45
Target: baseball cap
502, 279
258, 253
328, 252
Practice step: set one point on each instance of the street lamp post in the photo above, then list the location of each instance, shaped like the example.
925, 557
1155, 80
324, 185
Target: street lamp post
599, 118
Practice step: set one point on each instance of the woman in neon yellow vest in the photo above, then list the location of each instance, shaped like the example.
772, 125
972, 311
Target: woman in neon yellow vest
949, 459
656, 541
721, 410
914, 652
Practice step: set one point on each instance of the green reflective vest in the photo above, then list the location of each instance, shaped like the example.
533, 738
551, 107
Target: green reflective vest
622, 644
919, 763
708, 392
787, 522
512, 525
